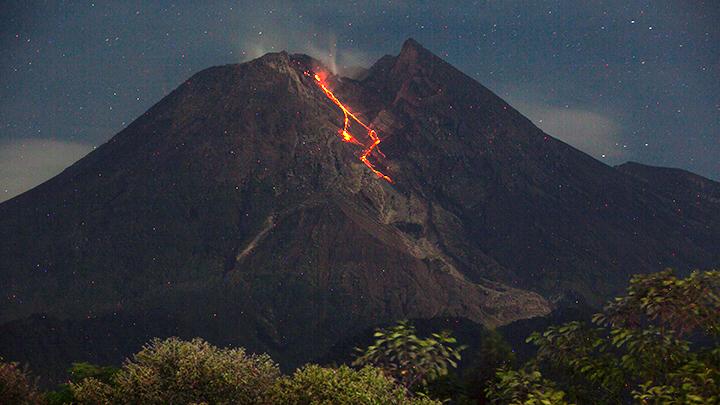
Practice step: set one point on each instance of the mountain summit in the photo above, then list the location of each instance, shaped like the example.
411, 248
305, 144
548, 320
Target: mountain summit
233, 210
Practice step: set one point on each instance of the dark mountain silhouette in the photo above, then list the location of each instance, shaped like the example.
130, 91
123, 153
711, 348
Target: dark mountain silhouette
232, 210
680, 185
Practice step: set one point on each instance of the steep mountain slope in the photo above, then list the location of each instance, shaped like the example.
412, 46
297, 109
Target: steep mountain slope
553, 219
678, 184
232, 210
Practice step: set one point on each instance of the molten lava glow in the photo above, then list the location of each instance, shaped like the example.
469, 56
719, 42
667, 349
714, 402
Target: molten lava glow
345, 134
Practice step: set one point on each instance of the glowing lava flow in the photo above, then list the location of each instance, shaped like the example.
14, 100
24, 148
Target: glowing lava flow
345, 134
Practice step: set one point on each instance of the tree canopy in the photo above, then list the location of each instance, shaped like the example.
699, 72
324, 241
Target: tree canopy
658, 344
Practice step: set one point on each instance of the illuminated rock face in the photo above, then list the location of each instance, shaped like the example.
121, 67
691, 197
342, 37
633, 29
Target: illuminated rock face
233, 210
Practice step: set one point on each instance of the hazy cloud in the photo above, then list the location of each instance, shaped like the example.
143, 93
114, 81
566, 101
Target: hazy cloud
326, 50
281, 30
25, 163
592, 132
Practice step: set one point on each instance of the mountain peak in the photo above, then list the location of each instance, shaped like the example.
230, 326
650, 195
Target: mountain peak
413, 53
414, 72
410, 44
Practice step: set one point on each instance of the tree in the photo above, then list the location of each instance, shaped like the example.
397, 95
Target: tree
183, 372
480, 364
79, 372
523, 388
17, 386
313, 384
408, 359
657, 344
492, 353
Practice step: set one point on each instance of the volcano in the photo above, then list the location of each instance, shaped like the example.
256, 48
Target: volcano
233, 210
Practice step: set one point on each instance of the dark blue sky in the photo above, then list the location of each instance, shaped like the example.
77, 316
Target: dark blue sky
621, 80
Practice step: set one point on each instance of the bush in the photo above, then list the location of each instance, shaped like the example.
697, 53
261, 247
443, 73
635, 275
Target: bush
94, 391
182, 372
16, 385
79, 372
313, 384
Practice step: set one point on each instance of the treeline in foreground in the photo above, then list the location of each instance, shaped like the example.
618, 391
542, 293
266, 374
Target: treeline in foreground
658, 344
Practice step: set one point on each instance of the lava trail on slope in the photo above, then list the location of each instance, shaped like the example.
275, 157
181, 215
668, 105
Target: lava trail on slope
345, 134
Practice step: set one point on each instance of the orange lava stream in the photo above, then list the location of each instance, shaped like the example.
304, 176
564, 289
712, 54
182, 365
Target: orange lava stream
345, 134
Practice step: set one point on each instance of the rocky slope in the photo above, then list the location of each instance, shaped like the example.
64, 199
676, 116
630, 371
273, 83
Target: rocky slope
232, 210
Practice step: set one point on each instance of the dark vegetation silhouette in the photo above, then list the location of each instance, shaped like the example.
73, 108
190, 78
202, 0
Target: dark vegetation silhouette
657, 344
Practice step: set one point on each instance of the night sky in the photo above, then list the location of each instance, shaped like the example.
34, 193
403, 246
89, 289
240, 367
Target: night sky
620, 80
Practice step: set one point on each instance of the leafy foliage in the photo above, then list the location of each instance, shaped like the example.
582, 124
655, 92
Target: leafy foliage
493, 353
17, 386
656, 345
176, 371
313, 384
467, 386
79, 372
523, 388
93, 391
677, 305
637, 348
693, 383
181, 372
408, 359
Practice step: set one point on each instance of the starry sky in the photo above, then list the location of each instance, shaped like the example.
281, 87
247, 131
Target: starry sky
621, 80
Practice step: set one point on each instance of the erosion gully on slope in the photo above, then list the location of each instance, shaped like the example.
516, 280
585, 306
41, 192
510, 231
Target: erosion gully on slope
345, 134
